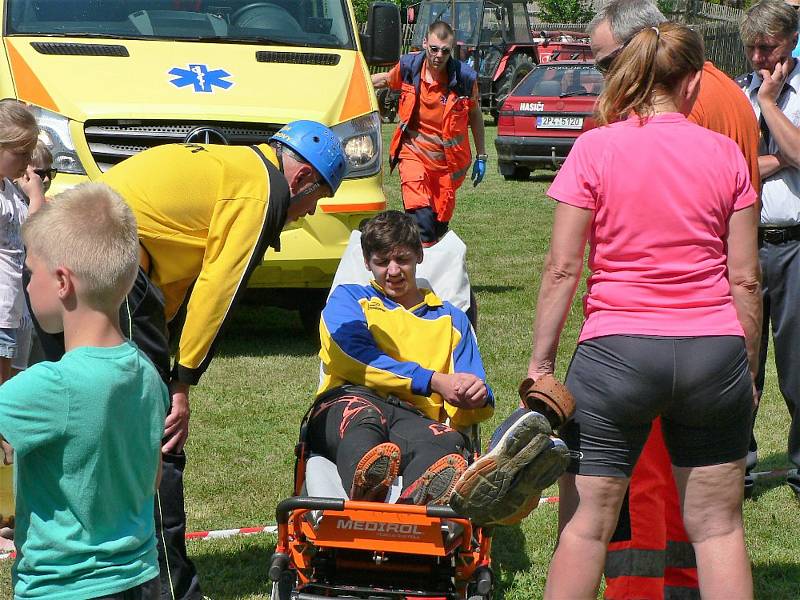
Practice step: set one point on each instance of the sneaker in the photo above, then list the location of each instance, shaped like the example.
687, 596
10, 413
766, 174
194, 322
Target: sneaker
436, 484
523, 497
503, 485
375, 472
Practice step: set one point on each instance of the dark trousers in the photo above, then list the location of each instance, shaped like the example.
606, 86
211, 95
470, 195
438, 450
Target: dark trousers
149, 590
346, 423
142, 320
780, 266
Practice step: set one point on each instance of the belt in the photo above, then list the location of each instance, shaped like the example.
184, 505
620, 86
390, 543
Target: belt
778, 235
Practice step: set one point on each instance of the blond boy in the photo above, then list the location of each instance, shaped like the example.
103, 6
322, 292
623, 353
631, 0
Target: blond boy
86, 429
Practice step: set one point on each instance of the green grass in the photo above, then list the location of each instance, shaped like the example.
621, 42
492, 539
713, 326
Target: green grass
246, 411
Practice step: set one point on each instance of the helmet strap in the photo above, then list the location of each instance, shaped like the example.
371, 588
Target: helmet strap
310, 189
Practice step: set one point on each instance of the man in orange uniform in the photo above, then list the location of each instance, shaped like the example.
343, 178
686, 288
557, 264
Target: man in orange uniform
438, 102
650, 555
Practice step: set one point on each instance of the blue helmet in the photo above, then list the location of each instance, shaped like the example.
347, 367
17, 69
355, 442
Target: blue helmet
319, 146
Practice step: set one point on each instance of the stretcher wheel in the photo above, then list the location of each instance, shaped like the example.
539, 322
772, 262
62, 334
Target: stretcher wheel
282, 589
550, 397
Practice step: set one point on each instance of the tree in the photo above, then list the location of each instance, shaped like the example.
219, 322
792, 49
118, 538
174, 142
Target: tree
565, 11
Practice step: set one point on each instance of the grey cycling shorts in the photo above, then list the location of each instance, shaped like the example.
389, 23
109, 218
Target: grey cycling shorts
700, 386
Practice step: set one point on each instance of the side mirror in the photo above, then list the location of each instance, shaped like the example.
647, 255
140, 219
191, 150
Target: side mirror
381, 42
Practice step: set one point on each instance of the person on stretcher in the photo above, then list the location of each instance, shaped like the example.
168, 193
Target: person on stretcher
401, 375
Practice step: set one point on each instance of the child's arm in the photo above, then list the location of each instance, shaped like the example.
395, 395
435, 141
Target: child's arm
31, 185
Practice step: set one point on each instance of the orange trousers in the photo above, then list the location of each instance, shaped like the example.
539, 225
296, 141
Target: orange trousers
649, 556
423, 187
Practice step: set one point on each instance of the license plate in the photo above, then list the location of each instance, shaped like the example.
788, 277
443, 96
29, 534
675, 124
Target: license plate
554, 122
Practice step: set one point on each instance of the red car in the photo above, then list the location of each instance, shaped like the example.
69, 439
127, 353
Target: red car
544, 114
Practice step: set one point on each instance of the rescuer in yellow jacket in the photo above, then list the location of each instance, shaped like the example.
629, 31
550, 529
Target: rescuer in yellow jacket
206, 214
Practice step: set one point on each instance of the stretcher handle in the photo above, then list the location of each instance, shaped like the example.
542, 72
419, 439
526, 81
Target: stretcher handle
305, 502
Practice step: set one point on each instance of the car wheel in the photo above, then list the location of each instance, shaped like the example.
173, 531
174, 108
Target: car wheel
310, 309
517, 67
518, 174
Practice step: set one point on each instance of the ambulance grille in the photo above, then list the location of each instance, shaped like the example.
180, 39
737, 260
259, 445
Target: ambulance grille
73, 49
111, 142
298, 58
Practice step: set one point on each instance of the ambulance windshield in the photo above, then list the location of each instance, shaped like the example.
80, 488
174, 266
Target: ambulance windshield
307, 23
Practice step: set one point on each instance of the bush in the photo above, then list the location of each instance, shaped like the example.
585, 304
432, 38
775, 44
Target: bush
565, 11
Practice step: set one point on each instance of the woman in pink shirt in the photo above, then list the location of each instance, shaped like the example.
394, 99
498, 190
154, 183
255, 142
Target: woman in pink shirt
672, 313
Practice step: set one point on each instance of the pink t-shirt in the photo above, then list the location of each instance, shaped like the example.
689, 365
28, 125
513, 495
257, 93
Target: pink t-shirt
662, 194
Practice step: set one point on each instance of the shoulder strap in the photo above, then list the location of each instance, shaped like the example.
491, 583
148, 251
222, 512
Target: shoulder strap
277, 204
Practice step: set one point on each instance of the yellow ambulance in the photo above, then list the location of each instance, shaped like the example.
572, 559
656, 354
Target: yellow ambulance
110, 78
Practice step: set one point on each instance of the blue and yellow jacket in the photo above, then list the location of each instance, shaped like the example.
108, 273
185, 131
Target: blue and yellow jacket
368, 339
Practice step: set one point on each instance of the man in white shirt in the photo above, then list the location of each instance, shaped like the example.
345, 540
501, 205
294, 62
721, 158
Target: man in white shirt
769, 34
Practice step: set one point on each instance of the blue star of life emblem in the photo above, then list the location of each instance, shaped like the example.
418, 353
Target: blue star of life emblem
201, 78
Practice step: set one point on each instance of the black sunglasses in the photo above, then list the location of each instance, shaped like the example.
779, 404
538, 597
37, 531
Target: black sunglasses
445, 50
45, 173
604, 64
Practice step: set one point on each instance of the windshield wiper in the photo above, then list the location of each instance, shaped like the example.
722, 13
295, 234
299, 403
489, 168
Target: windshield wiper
578, 93
240, 40
109, 36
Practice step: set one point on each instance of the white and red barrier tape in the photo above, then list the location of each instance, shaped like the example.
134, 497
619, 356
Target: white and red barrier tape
221, 534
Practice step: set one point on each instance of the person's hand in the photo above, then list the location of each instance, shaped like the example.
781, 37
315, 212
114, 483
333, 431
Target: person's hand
176, 426
31, 183
772, 83
463, 390
8, 452
478, 170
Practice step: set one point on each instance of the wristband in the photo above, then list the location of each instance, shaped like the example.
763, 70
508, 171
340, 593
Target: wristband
482, 157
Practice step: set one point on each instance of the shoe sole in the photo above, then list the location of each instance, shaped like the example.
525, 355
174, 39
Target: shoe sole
523, 498
436, 484
483, 489
375, 472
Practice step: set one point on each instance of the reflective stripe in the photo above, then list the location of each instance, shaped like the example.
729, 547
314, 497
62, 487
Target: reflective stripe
672, 592
680, 555
431, 154
433, 139
459, 174
635, 562
459, 139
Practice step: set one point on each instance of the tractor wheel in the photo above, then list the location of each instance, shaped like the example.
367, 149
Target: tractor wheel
517, 67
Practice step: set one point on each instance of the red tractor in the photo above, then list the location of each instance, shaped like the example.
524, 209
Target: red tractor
495, 38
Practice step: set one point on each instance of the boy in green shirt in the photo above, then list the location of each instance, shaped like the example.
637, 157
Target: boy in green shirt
86, 429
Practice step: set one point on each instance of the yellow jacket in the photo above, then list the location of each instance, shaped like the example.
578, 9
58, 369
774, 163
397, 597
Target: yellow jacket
206, 214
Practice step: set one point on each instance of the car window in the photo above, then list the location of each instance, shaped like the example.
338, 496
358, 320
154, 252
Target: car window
552, 80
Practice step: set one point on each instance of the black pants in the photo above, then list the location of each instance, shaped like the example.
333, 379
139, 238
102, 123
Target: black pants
780, 267
349, 421
431, 229
149, 590
142, 320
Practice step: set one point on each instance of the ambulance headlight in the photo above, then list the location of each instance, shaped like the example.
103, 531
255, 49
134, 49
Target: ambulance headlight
54, 131
361, 140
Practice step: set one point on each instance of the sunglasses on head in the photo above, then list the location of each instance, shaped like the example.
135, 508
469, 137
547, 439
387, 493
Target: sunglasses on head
604, 64
45, 173
445, 50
